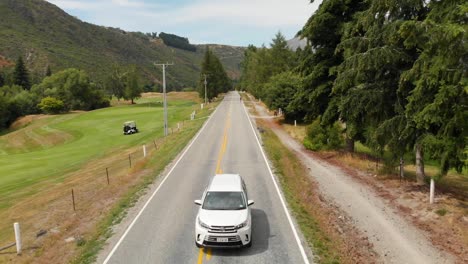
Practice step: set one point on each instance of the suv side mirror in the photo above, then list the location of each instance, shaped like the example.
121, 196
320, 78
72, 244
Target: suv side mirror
250, 202
197, 202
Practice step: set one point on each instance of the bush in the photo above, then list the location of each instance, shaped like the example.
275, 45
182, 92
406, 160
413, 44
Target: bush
51, 105
323, 138
23, 103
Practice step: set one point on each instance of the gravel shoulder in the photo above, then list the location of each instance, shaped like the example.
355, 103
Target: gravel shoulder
391, 236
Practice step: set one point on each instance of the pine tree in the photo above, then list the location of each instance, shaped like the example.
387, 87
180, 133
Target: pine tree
217, 79
280, 55
365, 89
21, 75
318, 61
436, 107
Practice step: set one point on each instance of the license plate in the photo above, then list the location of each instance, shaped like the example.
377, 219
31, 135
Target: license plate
222, 239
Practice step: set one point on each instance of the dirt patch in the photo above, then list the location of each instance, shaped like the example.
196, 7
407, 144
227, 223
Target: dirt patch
26, 120
5, 62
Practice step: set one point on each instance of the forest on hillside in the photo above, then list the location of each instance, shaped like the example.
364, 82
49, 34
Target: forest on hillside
389, 74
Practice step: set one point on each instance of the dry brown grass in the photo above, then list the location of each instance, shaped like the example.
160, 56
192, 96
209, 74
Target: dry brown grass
298, 132
26, 120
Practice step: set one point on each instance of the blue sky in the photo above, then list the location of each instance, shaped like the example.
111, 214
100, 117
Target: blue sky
232, 22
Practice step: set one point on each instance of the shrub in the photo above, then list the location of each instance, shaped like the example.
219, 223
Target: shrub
323, 138
51, 105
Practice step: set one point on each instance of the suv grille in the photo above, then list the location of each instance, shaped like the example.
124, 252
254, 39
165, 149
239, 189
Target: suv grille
222, 229
230, 238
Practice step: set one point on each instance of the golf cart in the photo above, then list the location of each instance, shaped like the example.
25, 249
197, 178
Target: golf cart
130, 128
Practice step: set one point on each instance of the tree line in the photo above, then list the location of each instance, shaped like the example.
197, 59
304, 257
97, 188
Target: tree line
177, 42
390, 74
63, 91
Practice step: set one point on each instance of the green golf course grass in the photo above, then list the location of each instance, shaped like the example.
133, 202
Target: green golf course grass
81, 137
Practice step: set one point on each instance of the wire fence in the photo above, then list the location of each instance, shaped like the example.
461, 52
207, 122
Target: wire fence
66, 211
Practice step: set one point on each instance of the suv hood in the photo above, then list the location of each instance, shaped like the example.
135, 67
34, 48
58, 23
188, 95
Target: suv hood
223, 217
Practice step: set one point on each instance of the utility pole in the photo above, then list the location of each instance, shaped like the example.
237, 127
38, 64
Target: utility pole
164, 94
206, 100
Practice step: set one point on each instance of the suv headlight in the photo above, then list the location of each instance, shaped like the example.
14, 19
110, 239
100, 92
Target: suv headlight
203, 224
243, 224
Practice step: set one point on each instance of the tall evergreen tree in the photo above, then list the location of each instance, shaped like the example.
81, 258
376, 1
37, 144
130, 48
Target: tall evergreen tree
437, 106
319, 59
365, 89
260, 64
21, 75
216, 77
281, 57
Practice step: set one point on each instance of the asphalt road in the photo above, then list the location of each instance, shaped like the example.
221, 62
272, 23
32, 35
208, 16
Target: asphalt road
164, 231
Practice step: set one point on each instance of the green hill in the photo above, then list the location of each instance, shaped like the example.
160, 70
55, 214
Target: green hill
46, 35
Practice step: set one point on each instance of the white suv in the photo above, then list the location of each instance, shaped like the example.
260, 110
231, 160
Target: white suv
224, 218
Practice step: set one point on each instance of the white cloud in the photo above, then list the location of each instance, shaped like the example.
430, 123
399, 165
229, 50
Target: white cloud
71, 4
128, 3
266, 13
238, 21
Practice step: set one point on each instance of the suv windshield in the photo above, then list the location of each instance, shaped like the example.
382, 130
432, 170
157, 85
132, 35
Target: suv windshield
224, 201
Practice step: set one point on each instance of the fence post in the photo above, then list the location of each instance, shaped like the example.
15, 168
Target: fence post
402, 168
295, 123
431, 192
178, 126
144, 150
130, 159
73, 199
16, 226
107, 174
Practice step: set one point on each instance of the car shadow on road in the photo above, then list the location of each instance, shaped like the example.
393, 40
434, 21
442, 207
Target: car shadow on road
260, 237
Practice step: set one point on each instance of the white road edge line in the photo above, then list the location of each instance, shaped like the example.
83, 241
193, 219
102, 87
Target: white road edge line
301, 248
157, 189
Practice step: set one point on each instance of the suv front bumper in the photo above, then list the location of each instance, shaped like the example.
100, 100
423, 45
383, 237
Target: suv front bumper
239, 238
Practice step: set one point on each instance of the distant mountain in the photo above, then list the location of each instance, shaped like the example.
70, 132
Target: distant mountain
296, 43
46, 35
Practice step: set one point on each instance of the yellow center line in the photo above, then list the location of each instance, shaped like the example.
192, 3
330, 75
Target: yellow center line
200, 256
218, 171
223, 146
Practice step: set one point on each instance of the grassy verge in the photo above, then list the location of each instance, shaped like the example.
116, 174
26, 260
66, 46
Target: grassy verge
301, 195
